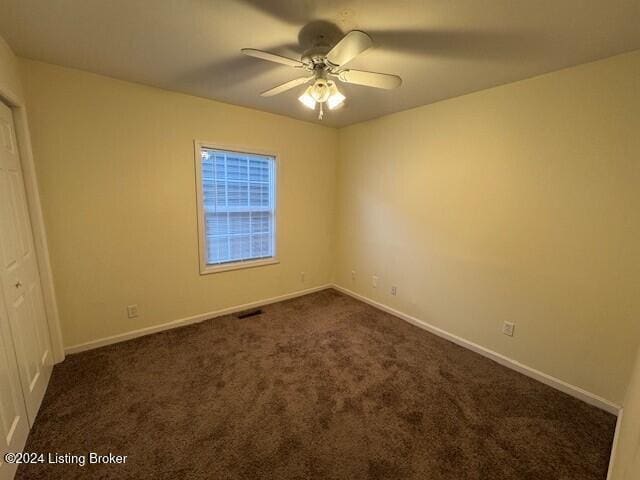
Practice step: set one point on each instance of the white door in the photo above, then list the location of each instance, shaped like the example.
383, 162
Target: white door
14, 425
19, 277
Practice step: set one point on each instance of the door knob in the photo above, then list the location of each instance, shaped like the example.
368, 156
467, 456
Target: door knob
18, 284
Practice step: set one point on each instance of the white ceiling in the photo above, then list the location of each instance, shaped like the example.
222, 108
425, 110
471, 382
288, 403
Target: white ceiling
441, 48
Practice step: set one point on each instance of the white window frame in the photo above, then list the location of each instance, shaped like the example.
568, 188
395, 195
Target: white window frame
206, 268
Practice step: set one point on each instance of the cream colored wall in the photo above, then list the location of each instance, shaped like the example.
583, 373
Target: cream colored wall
509, 204
520, 203
626, 464
9, 71
116, 169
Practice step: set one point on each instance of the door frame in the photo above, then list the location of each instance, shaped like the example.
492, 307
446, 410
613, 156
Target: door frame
17, 106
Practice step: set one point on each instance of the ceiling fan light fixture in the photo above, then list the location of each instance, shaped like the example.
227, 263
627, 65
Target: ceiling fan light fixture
336, 99
320, 91
323, 64
307, 99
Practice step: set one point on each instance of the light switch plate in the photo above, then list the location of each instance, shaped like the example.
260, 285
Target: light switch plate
132, 311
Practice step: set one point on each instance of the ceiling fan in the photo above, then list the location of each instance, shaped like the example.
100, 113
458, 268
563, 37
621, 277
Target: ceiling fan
325, 65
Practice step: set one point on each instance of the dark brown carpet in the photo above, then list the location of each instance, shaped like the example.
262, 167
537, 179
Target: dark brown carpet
319, 387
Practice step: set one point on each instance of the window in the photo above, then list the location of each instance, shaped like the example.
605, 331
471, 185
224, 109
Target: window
236, 206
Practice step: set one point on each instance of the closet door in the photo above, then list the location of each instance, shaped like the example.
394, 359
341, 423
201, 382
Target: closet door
19, 276
14, 425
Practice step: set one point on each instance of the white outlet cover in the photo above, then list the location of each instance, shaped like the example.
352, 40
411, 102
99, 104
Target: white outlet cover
508, 328
374, 281
394, 290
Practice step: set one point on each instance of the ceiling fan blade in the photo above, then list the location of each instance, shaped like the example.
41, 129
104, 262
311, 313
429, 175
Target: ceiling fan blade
459, 42
370, 79
352, 44
286, 86
272, 57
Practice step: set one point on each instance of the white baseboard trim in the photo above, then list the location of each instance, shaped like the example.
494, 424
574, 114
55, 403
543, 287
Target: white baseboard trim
556, 383
121, 337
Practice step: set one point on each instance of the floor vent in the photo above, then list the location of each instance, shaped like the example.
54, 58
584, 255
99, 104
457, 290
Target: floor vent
248, 313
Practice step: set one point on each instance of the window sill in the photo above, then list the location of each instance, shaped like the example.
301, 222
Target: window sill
225, 267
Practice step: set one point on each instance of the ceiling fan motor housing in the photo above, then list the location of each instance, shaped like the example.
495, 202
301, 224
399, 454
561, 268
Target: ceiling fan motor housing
316, 56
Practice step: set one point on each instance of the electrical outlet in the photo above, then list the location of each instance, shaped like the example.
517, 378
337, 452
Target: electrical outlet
302, 275
508, 328
132, 311
374, 281
353, 275
394, 290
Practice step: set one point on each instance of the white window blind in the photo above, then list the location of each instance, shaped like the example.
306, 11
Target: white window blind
238, 191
